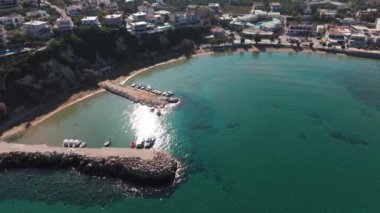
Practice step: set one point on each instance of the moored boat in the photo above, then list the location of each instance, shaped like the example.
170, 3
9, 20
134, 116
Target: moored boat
73, 143
140, 143
149, 142
133, 144
107, 143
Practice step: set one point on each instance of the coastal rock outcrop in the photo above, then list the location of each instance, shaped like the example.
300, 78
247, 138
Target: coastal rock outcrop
160, 170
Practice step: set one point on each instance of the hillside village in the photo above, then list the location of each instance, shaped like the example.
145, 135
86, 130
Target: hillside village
321, 23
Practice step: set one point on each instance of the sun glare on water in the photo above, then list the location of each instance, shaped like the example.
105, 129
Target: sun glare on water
145, 124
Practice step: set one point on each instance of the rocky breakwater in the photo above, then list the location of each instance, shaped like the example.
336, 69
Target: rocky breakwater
139, 96
150, 168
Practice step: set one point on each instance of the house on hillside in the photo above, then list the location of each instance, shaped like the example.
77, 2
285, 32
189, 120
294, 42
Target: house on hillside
40, 15
37, 29
12, 20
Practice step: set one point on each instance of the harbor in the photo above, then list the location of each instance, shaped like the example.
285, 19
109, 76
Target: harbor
146, 167
145, 97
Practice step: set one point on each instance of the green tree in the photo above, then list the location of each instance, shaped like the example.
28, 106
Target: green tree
187, 47
242, 40
3, 110
311, 45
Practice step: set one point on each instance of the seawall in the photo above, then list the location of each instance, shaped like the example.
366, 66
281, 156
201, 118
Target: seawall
145, 167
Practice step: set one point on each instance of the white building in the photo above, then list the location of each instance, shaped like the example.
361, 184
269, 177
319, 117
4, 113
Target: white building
377, 24
114, 20
348, 21
12, 20
273, 26
257, 6
37, 29
275, 6
40, 15
65, 24
136, 17
357, 40
90, 21
215, 7
3, 36
327, 13
186, 19
337, 35
140, 27
301, 30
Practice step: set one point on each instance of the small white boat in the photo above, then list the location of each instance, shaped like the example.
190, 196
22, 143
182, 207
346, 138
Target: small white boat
73, 143
140, 143
107, 143
149, 142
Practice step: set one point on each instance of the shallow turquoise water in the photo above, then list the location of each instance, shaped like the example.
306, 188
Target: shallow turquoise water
269, 132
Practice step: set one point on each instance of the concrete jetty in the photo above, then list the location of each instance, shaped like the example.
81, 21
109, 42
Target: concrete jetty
139, 96
146, 167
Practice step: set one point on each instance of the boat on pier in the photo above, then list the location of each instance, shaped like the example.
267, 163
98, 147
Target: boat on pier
139, 94
74, 143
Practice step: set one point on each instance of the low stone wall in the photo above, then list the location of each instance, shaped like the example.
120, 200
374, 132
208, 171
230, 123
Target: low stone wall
160, 170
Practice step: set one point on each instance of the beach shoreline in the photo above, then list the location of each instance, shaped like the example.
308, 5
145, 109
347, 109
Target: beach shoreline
123, 79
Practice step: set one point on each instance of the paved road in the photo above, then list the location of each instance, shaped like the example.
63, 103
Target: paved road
59, 10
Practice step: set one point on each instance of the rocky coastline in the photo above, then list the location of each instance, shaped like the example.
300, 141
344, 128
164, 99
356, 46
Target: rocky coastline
157, 171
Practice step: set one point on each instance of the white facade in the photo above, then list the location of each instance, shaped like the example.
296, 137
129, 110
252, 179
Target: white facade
140, 27
136, 17
41, 15
214, 7
65, 24
377, 26
275, 6
272, 26
327, 13
37, 29
114, 19
357, 40
90, 21
13, 20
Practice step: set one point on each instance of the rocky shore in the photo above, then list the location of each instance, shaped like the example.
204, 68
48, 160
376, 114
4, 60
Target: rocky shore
155, 170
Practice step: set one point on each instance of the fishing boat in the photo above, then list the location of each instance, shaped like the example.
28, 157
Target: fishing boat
149, 142
83, 144
73, 143
140, 143
133, 144
107, 143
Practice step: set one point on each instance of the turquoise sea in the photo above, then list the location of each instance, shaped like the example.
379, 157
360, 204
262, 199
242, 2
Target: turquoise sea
268, 132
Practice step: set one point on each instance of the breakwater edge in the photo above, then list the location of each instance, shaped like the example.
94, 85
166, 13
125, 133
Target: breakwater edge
144, 167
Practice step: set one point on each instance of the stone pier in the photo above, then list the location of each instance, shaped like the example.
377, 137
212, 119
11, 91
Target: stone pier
146, 167
139, 96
